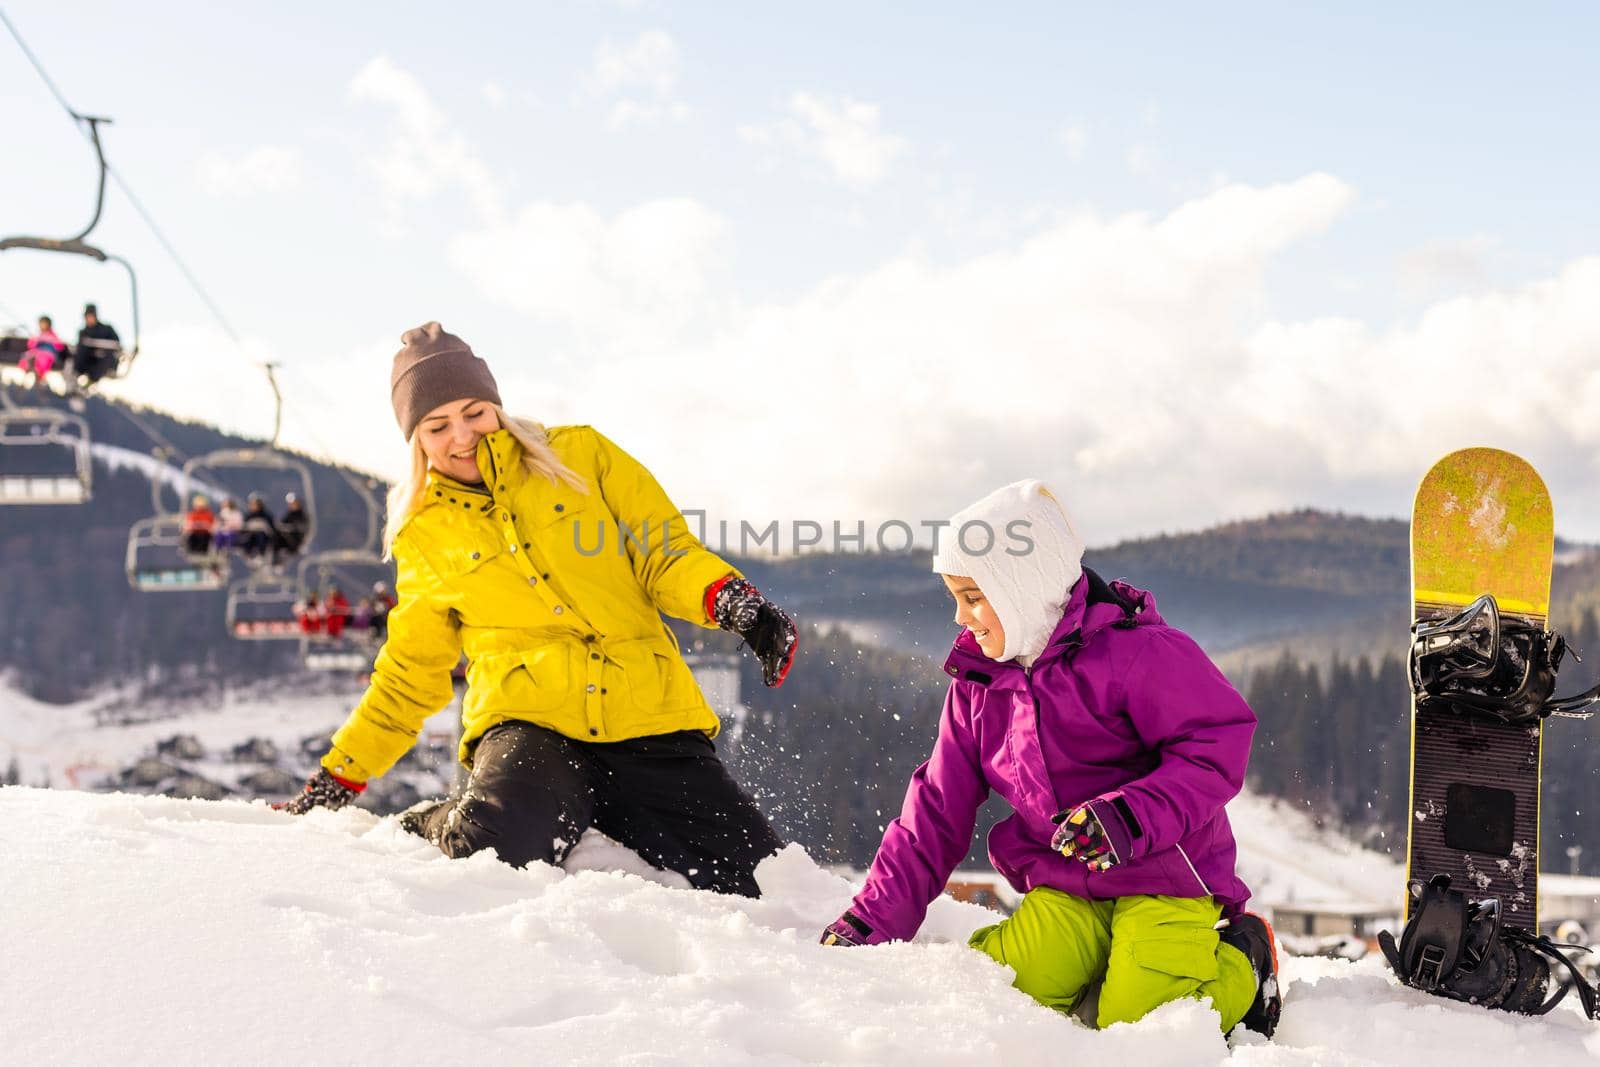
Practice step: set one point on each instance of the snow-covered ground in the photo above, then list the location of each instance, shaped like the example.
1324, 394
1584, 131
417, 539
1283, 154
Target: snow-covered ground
150, 930
141, 929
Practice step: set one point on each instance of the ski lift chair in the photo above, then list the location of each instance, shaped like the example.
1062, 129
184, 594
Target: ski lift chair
344, 654
271, 463
44, 456
261, 608
353, 570
77, 245
158, 559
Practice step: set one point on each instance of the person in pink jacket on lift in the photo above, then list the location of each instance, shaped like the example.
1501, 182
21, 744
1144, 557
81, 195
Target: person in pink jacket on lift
44, 351
1117, 743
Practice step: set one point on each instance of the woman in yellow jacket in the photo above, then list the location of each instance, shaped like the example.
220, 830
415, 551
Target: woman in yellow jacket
548, 558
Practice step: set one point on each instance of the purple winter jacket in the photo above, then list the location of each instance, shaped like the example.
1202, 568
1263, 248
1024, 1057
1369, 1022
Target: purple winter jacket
1120, 711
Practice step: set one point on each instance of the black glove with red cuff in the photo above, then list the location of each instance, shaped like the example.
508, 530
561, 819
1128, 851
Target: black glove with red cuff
738, 607
323, 790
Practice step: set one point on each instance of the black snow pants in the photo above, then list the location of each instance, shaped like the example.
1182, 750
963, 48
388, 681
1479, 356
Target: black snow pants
533, 792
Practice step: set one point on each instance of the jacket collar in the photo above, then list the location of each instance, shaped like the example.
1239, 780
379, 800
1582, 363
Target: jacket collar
1093, 605
499, 462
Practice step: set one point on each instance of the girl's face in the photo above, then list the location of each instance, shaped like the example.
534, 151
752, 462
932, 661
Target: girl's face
450, 434
974, 611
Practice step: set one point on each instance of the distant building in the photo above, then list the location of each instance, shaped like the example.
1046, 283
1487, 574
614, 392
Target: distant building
985, 889
1569, 896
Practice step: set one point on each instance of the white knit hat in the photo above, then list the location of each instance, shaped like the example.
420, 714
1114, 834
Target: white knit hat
1019, 545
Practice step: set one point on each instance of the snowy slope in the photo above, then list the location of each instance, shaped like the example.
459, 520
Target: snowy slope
147, 930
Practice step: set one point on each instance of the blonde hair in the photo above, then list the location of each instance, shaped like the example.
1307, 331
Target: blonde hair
538, 458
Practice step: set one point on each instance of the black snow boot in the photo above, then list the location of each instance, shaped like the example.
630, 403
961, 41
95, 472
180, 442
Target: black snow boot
1457, 948
419, 819
1250, 934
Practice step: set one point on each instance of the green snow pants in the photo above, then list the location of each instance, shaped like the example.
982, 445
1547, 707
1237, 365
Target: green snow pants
1149, 950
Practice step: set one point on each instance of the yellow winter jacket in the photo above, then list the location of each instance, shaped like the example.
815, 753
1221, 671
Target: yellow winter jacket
554, 595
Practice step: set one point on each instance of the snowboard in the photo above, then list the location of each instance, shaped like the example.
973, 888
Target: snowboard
1481, 524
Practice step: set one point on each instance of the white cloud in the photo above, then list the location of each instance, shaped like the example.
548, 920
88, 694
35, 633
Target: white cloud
647, 268
423, 155
634, 113
649, 62
638, 77
1074, 137
1445, 266
843, 134
495, 95
325, 408
1088, 352
1141, 160
266, 169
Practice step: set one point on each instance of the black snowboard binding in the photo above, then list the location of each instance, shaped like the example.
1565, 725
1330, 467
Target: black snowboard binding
1457, 948
1478, 662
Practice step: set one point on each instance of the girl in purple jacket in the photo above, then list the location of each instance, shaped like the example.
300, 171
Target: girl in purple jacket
1117, 743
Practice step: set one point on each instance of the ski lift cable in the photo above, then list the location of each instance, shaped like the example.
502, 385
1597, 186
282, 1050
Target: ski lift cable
81, 120
189, 275
362, 483
43, 74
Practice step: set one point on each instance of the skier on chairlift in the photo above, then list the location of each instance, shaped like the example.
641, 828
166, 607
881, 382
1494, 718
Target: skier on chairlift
98, 348
198, 526
45, 349
230, 525
335, 612
308, 613
293, 525
382, 602
260, 532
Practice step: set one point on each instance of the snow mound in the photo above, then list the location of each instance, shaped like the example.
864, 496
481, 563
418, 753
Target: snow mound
148, 930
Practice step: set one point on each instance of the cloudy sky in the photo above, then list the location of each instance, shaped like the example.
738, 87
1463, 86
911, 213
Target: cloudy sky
865, 261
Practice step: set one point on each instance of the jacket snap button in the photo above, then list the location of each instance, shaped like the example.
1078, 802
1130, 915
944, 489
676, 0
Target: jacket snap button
533, 581
591, 689
558, 609
594, 655
588, 637
474, 555
593, 732
561, 507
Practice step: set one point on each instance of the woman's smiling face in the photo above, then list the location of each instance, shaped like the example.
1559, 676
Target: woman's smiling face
450, 434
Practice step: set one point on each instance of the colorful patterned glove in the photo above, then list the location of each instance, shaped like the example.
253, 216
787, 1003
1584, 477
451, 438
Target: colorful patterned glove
323, 790
1080, 835
847, 930
738, 607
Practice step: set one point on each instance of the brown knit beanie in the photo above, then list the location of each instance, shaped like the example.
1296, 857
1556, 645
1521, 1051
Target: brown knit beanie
435, 368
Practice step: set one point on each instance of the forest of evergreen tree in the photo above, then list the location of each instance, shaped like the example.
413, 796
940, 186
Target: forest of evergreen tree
832, 751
